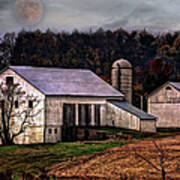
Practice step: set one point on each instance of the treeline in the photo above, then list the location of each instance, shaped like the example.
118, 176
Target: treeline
97, 51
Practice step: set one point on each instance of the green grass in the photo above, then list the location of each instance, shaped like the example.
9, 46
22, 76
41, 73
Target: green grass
29, 158
126, 132
110, 130
161, 133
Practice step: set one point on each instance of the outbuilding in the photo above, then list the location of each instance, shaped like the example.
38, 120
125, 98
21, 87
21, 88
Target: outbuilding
164, 103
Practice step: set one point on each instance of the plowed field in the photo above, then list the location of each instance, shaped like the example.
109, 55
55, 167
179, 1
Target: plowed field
132, 161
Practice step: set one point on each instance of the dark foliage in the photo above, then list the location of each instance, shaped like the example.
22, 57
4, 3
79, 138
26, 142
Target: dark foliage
97, 51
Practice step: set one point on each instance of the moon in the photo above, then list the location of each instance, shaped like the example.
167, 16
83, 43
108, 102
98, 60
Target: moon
29, 12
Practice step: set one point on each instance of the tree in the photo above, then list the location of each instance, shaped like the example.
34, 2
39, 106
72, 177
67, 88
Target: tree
16, 114
155, 73
164, 157
6, 49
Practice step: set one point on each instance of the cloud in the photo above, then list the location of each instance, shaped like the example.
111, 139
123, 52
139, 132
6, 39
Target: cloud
154, 16
157, 15
4, 4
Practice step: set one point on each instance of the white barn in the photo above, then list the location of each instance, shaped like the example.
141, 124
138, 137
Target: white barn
71, 98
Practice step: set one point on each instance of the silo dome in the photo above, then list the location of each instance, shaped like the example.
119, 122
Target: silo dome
122, 63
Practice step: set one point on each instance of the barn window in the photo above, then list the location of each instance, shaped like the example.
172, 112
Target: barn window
9, 80
55, 131
30, 104
168, 88
50, 131
16, 103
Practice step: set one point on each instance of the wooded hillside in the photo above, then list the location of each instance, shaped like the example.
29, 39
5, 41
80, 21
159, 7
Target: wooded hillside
155, 58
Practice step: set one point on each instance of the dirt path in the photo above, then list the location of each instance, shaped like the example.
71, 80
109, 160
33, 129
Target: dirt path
123, 162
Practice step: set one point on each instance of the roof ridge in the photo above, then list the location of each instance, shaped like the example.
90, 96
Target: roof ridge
41, 67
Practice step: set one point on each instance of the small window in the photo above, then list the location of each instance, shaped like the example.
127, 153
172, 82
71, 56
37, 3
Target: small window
16, 103
50, 131
9, 80
30, 104
55, 131
168, 88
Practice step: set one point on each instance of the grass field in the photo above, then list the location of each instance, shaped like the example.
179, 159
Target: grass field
32, 158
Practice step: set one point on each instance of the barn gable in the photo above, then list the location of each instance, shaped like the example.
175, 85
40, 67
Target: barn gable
35, 132
168, 92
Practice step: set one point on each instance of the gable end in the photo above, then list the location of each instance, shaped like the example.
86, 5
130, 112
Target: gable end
29, 82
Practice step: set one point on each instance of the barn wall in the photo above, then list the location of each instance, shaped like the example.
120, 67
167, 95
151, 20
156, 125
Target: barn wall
165, 105
54, 112
120, 118
34, 133
148, 125
168, 115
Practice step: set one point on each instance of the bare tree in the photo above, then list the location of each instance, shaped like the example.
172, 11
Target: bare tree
164, 157
16, 113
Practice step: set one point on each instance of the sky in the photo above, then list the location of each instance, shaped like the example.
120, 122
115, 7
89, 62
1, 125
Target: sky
154, 15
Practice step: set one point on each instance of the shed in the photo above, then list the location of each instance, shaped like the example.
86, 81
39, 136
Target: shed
123, 114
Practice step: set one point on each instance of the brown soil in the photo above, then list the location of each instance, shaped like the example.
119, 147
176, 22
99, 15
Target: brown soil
125, 162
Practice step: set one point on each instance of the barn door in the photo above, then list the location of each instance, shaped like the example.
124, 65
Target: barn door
84, 114
69, 115
69, 129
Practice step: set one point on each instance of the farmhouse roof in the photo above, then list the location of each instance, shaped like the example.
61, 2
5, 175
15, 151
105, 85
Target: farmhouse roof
176, 85
132, 109
73, 82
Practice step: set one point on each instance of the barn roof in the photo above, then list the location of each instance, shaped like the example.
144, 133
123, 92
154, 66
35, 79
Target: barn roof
176, 85
132, 109
74, 82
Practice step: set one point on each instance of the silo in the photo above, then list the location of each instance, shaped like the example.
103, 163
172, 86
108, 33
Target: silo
122, 78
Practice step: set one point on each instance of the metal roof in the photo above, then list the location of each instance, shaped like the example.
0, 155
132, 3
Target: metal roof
176, 85
74, 82
132, 109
